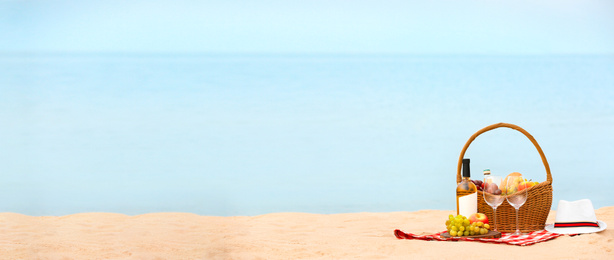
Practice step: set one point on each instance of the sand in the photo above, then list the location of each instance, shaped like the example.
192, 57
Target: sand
270, 236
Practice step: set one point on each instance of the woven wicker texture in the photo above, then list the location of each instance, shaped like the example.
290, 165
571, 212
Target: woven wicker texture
533, 214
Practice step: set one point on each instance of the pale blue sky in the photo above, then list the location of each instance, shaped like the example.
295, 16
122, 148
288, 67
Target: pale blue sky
331, 26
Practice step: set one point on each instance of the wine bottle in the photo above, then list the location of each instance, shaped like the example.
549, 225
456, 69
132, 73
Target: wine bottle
466, 193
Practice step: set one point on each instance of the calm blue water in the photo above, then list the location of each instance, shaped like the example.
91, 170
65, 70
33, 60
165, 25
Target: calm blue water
247, 135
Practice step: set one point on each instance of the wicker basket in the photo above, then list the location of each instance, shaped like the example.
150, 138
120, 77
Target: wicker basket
533, 214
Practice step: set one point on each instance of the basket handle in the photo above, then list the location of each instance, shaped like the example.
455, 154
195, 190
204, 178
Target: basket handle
495, 126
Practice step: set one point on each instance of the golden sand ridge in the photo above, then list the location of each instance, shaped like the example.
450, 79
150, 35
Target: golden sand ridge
271, 236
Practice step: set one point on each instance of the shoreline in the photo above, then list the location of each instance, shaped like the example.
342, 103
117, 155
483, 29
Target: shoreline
285, 235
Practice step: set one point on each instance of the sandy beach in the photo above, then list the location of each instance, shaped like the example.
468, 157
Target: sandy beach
270, 236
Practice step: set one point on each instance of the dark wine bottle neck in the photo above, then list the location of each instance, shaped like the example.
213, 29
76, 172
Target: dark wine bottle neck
466, 169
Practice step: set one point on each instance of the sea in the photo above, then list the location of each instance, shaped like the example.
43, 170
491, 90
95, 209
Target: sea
251, 134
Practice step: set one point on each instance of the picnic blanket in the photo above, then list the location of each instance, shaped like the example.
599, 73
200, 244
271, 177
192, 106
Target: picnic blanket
506, 238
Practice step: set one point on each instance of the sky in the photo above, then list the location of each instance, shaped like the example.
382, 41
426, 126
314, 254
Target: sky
315, 26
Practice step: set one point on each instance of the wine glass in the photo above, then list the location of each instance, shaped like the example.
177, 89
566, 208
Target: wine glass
515, 197
492, 194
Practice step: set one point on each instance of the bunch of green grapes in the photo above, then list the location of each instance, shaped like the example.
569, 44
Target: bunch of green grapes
461, 226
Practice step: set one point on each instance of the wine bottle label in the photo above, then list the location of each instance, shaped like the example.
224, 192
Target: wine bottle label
468, 204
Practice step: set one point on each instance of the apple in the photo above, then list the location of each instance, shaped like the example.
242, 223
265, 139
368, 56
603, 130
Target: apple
478, 217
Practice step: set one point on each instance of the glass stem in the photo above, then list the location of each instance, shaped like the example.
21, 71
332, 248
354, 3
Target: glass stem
517, 229
494, 213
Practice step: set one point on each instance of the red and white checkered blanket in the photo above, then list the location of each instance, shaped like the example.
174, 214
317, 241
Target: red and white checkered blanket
506, 238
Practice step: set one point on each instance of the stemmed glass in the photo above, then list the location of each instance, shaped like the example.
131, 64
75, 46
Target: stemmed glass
515, 197
492, 194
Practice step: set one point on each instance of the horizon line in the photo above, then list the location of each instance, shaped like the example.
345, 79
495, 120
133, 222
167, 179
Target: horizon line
281, 54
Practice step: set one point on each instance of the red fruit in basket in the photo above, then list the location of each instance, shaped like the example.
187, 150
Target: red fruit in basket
478, 184
492, 188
